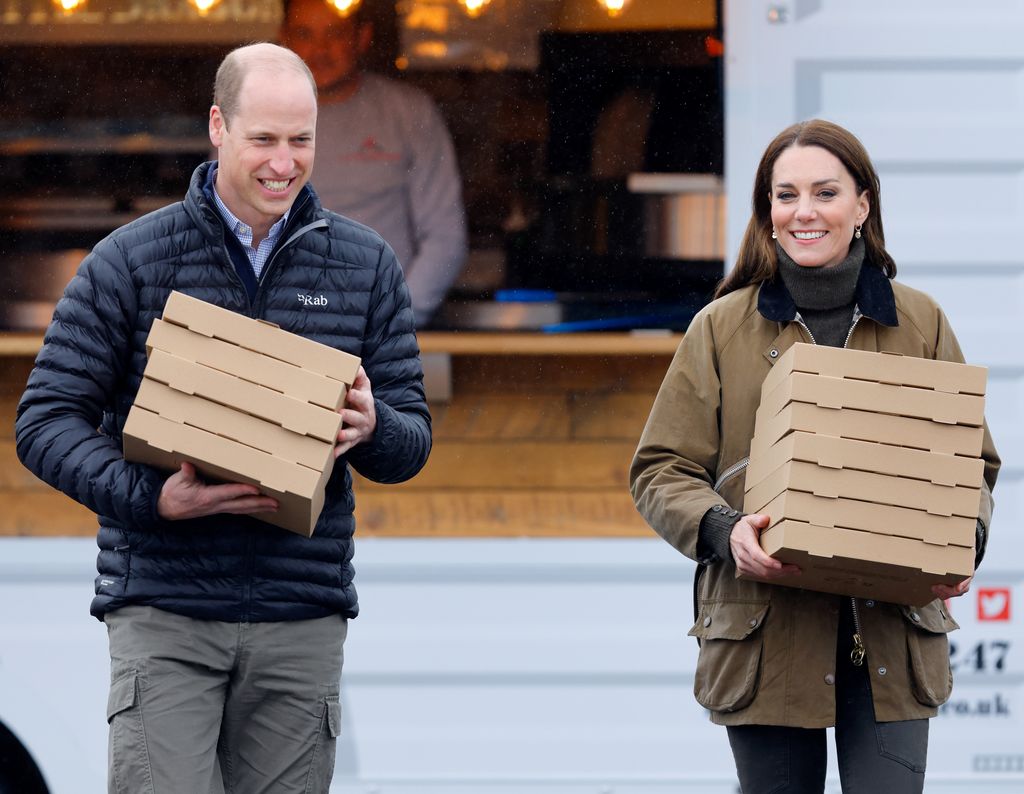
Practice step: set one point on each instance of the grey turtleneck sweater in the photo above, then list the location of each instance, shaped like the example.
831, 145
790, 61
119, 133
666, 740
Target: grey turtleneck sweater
825, 298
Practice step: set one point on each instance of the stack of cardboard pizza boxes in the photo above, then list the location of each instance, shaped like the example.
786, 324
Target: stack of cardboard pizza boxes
869, 467
244, 401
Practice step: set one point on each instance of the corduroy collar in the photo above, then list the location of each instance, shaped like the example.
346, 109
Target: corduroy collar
873, 295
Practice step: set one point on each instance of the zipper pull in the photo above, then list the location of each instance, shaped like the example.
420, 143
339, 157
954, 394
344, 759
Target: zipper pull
857, 654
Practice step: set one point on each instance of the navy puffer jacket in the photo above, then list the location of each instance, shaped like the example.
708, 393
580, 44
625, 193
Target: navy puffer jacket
231, 568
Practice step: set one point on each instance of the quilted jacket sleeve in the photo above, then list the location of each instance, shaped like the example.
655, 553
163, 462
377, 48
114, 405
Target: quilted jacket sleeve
85, 354
402, 441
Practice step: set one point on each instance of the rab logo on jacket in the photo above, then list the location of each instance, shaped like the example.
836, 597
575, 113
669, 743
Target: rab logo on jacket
994, 603
310, 300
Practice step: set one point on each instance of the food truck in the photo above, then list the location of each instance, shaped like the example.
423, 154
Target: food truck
521, 629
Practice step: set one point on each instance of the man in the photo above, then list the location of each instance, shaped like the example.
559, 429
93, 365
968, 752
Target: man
225, 632
386, 158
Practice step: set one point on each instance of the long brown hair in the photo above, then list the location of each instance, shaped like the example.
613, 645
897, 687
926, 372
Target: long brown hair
757, 260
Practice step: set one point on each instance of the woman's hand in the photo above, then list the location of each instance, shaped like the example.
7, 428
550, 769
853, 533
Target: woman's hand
750, 558
945, 591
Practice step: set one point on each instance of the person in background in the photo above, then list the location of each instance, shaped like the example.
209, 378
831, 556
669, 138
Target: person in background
225, 632
778, 665
386, 158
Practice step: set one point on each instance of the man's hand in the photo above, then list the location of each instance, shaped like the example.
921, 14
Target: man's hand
945, 591
184, 495
358, 417
747, 552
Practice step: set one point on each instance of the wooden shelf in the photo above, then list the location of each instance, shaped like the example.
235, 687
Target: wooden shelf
99, 30
15, 344
479, 343
135, 143
475, 343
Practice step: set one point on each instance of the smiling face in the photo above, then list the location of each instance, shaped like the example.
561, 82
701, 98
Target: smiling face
265, 151
815, 206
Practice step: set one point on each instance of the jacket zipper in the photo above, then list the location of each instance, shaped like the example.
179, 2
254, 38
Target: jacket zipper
804, 325
858, 652
250, 550
317, 224
251, 545
856, 319
250, 572
227, 256
731, 472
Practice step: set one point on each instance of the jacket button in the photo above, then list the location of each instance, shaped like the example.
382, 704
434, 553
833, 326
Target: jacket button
774, 353
882, 671
707, 621
830, 679
869, 603
915, 617
753, 623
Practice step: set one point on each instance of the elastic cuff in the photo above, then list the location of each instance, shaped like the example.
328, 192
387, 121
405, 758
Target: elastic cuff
980, 541
148, 518
714, 532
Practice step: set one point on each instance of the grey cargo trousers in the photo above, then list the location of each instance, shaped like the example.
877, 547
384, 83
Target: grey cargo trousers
203, 706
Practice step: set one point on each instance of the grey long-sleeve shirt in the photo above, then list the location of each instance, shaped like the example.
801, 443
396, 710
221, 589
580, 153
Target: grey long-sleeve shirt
385, 158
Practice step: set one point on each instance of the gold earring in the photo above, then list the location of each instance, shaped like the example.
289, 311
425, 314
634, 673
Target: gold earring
856, 230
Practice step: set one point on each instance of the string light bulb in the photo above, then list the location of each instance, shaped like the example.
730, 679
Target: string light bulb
69, 6
344, 8
614, 7
474, 8
203, 6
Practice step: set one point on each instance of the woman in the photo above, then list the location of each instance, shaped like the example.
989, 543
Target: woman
775, 662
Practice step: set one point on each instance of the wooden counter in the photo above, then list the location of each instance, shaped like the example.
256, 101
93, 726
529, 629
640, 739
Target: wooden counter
536, 440
462, 343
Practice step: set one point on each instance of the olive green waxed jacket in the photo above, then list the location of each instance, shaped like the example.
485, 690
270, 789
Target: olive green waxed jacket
768, 653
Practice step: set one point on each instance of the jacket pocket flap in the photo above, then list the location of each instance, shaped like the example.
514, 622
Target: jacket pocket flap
122, 695
728, 620
932, 618
931, 679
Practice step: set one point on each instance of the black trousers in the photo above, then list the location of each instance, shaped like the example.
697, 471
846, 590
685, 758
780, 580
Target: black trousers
873, 756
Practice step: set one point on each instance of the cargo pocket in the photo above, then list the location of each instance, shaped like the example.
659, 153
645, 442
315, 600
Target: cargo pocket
931, 678
729, 665
322, 767
128, 754
123, 694
333, 716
